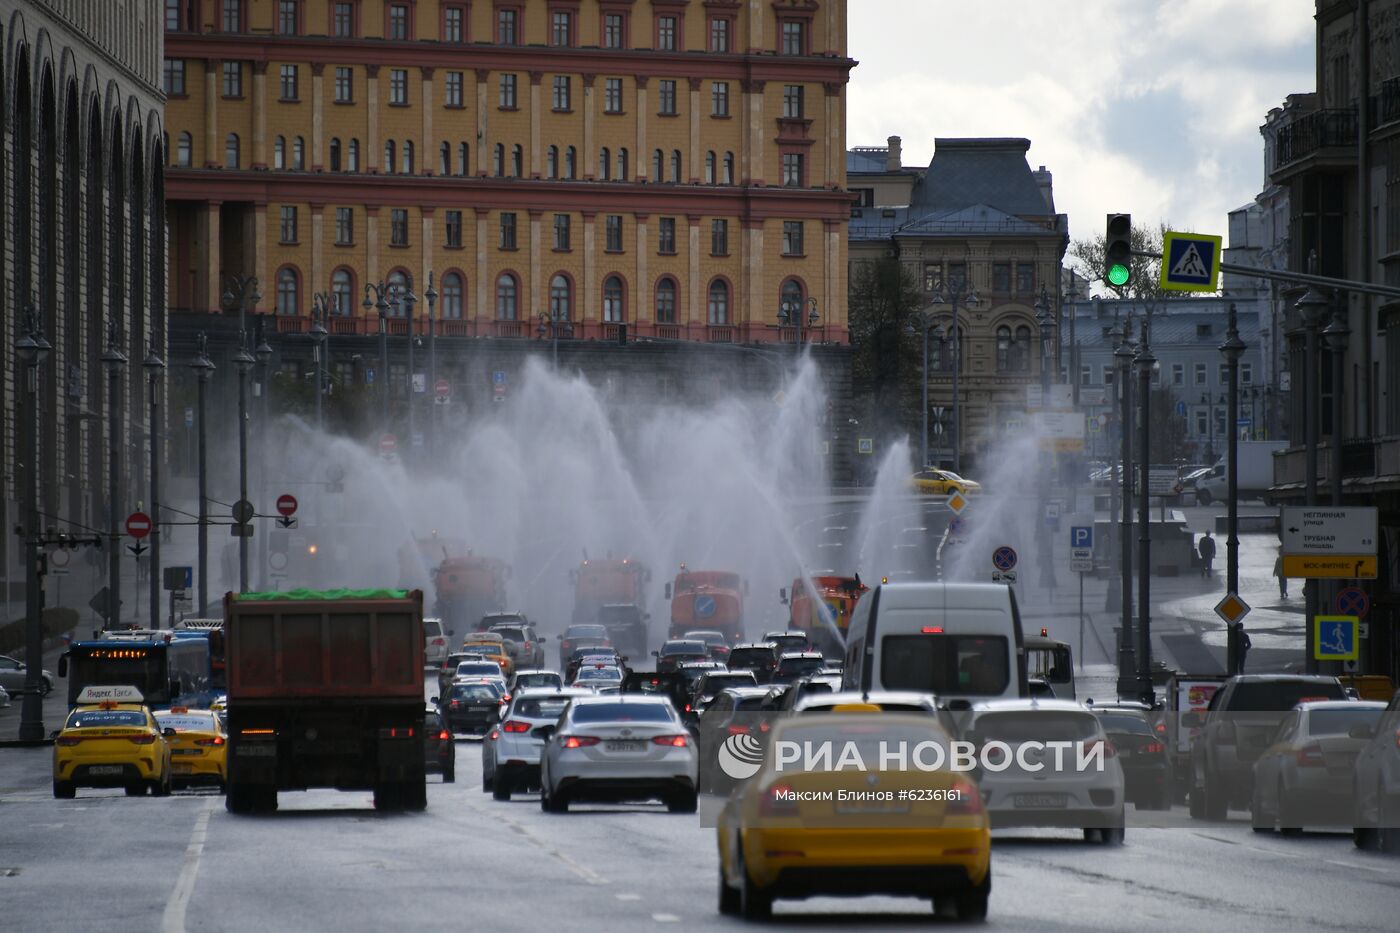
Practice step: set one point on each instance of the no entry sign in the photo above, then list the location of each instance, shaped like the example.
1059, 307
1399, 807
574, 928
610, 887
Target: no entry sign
387, 444
138, 525
287, 504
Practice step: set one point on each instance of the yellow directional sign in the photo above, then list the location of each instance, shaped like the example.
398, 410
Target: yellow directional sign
1190, 262
1334, 566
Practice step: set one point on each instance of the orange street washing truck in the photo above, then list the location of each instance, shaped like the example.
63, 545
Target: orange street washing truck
612, 593
823, 609
468, 588
325, 689
707, 599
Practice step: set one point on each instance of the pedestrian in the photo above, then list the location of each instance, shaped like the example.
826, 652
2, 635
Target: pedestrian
1207, 549
1278, 572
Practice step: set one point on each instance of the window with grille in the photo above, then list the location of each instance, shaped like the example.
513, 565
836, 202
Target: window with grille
344, 85
666, 301
561, 231
666, 97
289, 224
398, 227
453, 231
612, 95
288, 82
719, 35
666, 29
233, 15
612, 300
666, 235
506, 32
561, 28
452, 25
719, 302
453, 291
233, 79
794, 38
174, 77
508, 230
287, 17
719, 237
506, 96
793, 104
505, 297
452, 95
719, 99
398, 21
613, 226
344, 226
563, 96
612, 31
398, 86
343, 20
792, 169
792, 238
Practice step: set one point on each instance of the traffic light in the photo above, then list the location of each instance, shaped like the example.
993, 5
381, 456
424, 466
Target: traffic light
1118, 250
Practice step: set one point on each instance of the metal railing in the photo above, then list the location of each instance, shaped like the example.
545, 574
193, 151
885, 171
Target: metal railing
1310, 132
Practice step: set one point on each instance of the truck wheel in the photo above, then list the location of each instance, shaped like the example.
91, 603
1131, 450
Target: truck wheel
237, 799
265, 799
683, 801
415, 795
971, 906
1203, 496
449, 776
136, 790
1216, 799
388, 797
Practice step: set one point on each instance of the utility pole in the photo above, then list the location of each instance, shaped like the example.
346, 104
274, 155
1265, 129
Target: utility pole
1145, 361
1123, 357
1232, 349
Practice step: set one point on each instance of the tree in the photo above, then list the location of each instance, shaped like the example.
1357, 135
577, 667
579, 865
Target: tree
1168, 429
885, 297
1088, 256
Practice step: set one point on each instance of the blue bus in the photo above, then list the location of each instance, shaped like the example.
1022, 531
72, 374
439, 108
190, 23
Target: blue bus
163, 668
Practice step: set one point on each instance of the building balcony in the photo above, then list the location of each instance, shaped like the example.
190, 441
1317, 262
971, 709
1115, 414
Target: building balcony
1317, 139
1369, 464
367, 325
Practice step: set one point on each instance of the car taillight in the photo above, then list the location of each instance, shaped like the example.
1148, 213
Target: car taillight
1160, 728
967, 802
439, 641
993, 755
763, 726
68, 740
1108, 750
515, 725
505, 698
216, 740
1397, 738
777, 802
455, 703
580, 741
495, 734
674, 741
445, 735
1152, 748
396, 732
142, 739
688, 709
1310, 756
736, 729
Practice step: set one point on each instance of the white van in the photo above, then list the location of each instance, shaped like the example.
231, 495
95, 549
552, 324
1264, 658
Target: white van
959, 641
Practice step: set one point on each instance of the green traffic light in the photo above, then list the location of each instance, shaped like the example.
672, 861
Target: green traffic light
1118, 274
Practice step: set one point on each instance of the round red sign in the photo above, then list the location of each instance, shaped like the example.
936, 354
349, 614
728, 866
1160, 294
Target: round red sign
138, 525
387, 444
287, 504
442, 388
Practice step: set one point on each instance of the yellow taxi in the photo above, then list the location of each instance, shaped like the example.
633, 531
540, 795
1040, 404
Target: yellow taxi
110, 739
943, 483
856, 822
199, 748
492, 647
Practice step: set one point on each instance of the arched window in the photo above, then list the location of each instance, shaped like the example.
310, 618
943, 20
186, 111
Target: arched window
184, 152
335, 154
498, 160
445, 159
1022, 354
622, 165
231, 151
560, 298
604, 163
287, 290
517, 161
462, 159
613, 312
728, 177
1003, 348
342, 293
658, 165
391, 154
710, 167
791, 298
398, 286
452, 291
675, 166
353, 163
505, 297
666, 301
719, 302
298, 154
279, 152
408, 157
571, 163
551, 162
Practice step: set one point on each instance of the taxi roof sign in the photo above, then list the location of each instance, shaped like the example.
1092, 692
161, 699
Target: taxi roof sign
1190, 262
110, 693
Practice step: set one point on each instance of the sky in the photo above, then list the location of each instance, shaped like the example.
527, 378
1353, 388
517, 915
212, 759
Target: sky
1137, 106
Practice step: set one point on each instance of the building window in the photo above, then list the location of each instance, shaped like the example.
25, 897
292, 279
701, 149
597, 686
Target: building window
286, 290
233, 15
560, 298
561, 231
1223, 374
505, 297
335, 154
184, 150
1025, 278
675, 166
719, 35
612, 300
233, 79
719, 302
1021, 349
570, 163
452, 95
508, 230
1202, 425
622, 165
719, 237
344, 226
792, 169
666, 236
352, 162
719, 99
551, 162
231, 153
174, 77
408, 157
613, 30
1246, 374
288, 84
792, 238
398, 227
561, 28
287, 17
666, 301
666, 33
398, 21
1200, 374
398, 86
1108, 374
1086, 375
452, 292
506, 33
563, 93
517, 161
452, 24
604, 163
794, 37
342, 292
1001, 278
279, 153
299, 154
445, 159
462, 158
790, 297
612, 95
289, 224
728, 177
1178, 374
666, 97
710, 167
658, 166
498, 160
344, 85
172, 15
957, 276
613, 237
793, 104
343, 20
507, 92
454, 229
391, 156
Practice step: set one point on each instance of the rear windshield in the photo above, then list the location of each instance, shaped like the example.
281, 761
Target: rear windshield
184, 722
623, 712
489, 668
709, 638
548, 708
1125, 723
884, 707
475, 692
787, 640
431, 722
933, 663
586, 631
715, 683
1037, 726
1340, 721
750, 657
599, 673
538, 680
800, 665
510, 634
1278, 696
105, 717
684, 647
750, 703
432, 628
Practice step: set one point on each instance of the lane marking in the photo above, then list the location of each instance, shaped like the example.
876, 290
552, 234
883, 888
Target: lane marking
628, 897
665, 918
583, 871
173, 920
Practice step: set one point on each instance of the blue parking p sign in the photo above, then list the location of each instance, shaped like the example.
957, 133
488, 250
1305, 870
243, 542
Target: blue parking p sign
1081, 536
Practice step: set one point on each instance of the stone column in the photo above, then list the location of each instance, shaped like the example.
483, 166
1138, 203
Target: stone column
213, 288
535, 78
590, 151
590, 301
485, 311
693, 315
372, 270
427, 165
696, 159
483, 90
533, 291
318, 117
213, 145
318, 280
643, 159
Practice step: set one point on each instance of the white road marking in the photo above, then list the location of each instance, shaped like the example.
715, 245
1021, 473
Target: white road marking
173, 920
583, 871
665, 918
628, 897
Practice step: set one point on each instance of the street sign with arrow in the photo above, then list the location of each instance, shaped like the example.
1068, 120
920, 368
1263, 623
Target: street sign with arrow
287, 505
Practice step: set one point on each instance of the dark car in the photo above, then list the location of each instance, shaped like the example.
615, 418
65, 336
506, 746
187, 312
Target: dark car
672, 653
710, 683
674, 686
1142, 755
785, 698
626, 625
472, 707
577, 636
439, 748
719, 648
793, 665
762, 659
734, 711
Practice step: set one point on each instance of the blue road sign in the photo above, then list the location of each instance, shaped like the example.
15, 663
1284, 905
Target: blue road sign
704, 607
1352, 601
1081, 536
1336, 638
369, 375
498, 377
1004, 558
1181, 409
1190, 262
955, 525
189, 577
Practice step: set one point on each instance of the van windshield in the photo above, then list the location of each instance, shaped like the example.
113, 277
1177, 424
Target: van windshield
975, 665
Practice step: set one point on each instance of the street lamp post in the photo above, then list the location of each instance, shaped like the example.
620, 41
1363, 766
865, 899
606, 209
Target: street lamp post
1313, 308
790, 315
1123, 357
33, 350
263, 354
553, 324
432, 295
155, 369
320, 309
1232, 349
243, 362
1046, 320
952, 294
407, 300
114, 361
1113, 596
1145, 361
1336, 334
380, 302
203, 368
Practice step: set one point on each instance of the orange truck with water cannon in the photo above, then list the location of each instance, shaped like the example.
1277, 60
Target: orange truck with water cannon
821, 606
612, 593
707, 600
468, 587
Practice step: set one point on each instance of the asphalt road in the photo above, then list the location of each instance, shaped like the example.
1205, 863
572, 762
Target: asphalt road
327, 860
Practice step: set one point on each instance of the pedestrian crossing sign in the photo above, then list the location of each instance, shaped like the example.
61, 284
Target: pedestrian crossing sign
1190, 262
1335, 638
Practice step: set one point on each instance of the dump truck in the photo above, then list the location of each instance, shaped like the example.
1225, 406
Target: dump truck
469, 587
611, 592
821, 605
707, 599
325, 689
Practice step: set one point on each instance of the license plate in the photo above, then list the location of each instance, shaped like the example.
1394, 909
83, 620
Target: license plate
105, 769
624, 746
184, 751
1039, 801
182, 768
258, 751
1125, 753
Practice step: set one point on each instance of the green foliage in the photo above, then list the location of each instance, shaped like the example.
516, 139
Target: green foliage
885, 298
1088, 257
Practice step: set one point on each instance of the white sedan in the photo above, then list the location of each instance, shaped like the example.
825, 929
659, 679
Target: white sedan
623, 748
510, 753
598, 678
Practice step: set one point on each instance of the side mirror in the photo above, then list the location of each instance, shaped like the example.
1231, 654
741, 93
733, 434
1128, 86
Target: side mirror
1362, 730
656, 654
168, 732
54, 734
451, 632
668, 591
435, 701
541, 638
544, 732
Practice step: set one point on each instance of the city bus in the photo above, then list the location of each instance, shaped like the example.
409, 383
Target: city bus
162, 667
